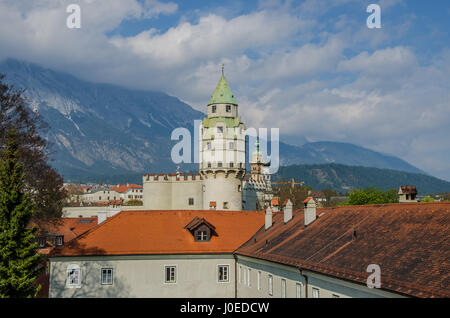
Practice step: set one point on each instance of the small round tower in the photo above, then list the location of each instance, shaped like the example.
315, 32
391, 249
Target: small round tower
222, 151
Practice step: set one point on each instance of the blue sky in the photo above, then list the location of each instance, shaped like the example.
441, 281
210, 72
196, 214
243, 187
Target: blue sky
311, 68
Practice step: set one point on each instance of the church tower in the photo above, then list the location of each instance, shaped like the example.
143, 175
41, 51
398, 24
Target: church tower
222, 151
256, 165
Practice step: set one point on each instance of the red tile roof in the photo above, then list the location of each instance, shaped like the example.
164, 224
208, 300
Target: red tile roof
163, 232
69, 227
275, 202
408, 189
409, 241
125, 187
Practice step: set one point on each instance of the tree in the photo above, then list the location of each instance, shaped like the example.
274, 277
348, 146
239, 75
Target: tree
296, 194
19, 260
428, 199
44, 184
371, 195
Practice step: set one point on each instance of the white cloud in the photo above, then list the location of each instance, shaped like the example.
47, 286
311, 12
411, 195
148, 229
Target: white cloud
212, 37
286, 71
383, 62
155, 8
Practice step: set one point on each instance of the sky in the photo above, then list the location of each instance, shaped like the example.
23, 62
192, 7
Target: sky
311, 68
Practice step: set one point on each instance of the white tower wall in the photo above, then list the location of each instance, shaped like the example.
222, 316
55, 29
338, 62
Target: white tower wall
221, 187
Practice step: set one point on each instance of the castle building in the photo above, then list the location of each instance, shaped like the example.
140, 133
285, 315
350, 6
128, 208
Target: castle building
222, 158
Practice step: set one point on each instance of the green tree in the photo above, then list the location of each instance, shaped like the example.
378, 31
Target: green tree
428, 199
44, 184
19, 260
371, 195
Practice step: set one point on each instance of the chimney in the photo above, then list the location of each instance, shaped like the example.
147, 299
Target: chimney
287, 211
310, 210
268, 217
101, 217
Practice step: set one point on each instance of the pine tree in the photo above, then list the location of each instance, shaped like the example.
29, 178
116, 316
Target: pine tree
19, 260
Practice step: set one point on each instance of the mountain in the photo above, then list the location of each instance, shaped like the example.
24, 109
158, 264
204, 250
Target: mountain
103, 130
342, 153
343, 178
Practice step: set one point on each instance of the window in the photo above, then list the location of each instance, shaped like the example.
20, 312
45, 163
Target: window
249, 275
171, 274
298, 290
259, 280
201, 236
208, 146
239, 188
209, 164
270, 284
107, 276
214, 108
241, 275
42, 242
219, 164
231, 145
60, 240
283, 288
225, 205
231, 165
315, 293
220, 130
228, 108
223, 272
73, 276
191, 201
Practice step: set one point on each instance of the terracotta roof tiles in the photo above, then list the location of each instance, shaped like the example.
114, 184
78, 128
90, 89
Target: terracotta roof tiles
410, 242
163, 232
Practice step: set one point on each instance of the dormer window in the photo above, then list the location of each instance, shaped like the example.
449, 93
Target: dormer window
201, 236
59, 240
214, 108
41, 242
201, 229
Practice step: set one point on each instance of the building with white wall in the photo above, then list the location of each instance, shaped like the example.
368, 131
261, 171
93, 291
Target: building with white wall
154, 254
222, 157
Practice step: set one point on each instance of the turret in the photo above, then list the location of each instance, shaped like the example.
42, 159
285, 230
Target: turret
222, 150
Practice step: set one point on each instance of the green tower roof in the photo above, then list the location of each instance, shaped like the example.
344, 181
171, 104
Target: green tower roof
222, 94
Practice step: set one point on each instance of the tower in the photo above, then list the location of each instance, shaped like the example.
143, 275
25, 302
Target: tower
222, 151
256, 164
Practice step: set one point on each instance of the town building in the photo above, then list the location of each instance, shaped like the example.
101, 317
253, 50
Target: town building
335, 252
407, 194
55, 233
113, 195
154, 254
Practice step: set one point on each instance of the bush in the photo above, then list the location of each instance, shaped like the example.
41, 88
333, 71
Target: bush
135, 203
371, 195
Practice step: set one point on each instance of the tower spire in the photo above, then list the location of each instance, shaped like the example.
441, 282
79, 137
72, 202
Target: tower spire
222, 94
